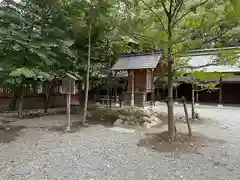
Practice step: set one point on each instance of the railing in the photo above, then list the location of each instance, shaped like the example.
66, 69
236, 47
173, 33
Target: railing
105, 99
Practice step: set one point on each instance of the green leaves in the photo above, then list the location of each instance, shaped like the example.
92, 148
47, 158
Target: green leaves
35, 40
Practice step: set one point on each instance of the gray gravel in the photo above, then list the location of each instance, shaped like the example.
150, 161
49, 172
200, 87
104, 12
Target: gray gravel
96, 153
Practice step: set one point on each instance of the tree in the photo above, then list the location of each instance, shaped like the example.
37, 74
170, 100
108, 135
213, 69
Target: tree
34, 44
104, 40
202, 81
87, 76
179, 26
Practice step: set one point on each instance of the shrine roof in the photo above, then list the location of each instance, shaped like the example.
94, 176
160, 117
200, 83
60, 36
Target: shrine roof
137, 61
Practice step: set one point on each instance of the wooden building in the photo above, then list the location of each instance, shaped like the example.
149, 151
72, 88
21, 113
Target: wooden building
227, 88
141, 69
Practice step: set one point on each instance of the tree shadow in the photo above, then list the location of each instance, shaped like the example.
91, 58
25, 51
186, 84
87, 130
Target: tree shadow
97, 117
181, 144
9, 133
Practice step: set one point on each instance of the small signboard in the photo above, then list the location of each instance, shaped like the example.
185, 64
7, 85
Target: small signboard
68, 84
69, 88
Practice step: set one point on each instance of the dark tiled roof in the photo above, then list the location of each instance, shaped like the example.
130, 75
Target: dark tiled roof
137, 61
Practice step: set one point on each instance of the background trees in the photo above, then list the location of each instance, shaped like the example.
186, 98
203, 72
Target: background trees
180, 26
41, 40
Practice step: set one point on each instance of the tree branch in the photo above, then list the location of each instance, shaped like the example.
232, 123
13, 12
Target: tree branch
210, 89
195, 67
165, 8
170, 7
159, 18
209, 40
189, 11
177, 8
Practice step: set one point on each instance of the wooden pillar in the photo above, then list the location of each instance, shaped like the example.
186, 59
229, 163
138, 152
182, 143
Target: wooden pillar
176, 93
152, 88
197, 95
220, 93
132, 88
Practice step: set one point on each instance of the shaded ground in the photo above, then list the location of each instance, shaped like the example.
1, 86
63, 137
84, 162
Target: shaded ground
10, 133
42, 150
182, 143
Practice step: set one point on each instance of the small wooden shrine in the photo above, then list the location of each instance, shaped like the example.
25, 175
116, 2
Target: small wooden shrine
141, 69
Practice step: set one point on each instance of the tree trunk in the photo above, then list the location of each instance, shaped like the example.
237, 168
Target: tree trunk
47, 89
193, 101
97, 95
186, 117
108, 98
197, 95
121, 99
115, 95
171, 124
69, 112
87, 78
13, 100
20, 102
82, 92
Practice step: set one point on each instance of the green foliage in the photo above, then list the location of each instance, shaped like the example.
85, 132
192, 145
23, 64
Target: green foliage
35, 42
41, 40
194, 24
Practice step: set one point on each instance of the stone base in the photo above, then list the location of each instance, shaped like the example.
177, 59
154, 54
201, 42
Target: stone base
140, 99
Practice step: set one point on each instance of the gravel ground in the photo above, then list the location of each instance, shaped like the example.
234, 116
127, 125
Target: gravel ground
39, 152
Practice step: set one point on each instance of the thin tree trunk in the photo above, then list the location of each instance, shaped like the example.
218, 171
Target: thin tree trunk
20, 102
97, 94
111, 98
82, 92
108, 98
69, 111
88, 72
197, 95
13, 100
115, 95
109, 83
171, 124
193, 101
121, 99
158, 94
186, 117
47, 90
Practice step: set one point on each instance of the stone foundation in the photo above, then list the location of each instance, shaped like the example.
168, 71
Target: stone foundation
140, 99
